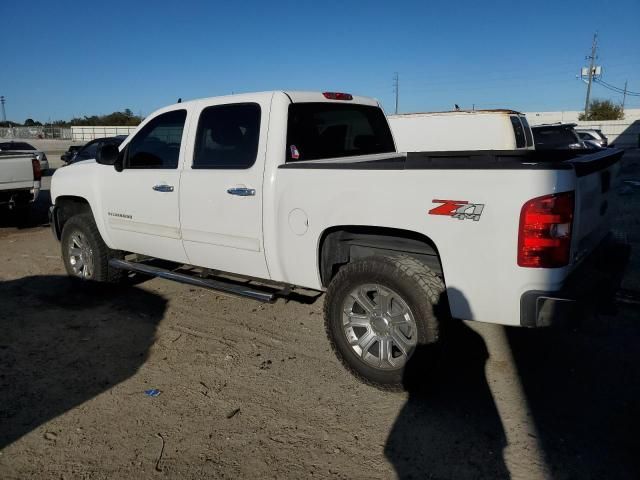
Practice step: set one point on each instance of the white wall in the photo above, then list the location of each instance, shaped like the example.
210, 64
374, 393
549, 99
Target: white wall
623, 133
89, 133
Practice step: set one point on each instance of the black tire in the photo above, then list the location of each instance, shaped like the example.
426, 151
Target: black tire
419, 288
84, 225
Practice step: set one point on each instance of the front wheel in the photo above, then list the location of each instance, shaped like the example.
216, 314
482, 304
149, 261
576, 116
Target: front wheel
378, 311
84, 253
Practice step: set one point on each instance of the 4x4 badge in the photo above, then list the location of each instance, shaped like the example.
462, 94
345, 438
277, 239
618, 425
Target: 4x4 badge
460, 209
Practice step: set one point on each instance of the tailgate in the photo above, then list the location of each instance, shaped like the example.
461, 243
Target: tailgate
595, 199
16, 171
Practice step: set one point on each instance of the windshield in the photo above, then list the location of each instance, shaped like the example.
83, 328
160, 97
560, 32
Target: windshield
326, 130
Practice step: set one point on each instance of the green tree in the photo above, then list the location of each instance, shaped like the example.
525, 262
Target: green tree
118, 119
603, 110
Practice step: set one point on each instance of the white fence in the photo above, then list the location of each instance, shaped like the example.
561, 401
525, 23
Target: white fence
36, 132
85, 134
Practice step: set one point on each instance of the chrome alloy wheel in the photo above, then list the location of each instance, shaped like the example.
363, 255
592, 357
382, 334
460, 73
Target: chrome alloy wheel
379, 326
80, 256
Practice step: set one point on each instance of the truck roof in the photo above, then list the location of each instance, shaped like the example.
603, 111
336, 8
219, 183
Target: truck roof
498, 111
294, 96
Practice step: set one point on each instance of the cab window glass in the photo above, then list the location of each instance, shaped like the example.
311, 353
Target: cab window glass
518, 131
227, 136
329, 129
157, 145
527, 131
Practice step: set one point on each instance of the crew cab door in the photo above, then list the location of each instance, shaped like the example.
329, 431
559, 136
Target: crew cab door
221, 188
140, 203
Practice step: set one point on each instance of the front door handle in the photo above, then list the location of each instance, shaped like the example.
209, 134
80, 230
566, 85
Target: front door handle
242, 191
163, 188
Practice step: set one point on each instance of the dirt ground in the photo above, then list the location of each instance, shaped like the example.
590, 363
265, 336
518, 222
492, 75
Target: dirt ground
251, 390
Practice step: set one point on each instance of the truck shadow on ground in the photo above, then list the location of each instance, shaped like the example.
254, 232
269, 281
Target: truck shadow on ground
582, 383
450, 426
583, 390
64, 342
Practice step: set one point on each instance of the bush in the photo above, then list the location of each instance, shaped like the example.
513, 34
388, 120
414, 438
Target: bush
603, 110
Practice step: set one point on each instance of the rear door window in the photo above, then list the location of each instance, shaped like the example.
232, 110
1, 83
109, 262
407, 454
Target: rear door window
227, 136
327, 130
518, 130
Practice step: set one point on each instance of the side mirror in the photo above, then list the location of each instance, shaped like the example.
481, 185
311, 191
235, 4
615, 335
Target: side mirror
107, 154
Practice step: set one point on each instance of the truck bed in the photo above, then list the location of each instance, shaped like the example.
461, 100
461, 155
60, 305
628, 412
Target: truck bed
582, 162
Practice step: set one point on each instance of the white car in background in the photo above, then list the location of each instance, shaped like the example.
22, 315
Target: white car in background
461, 130
24, 147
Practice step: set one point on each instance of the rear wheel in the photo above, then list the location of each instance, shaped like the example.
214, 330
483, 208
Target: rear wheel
84, 253
378, 311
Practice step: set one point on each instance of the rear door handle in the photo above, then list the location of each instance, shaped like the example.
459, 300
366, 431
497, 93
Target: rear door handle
242, 191
163, 188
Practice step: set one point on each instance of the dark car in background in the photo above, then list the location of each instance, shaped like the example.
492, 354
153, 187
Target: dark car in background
557, 136
89, 150
70, 153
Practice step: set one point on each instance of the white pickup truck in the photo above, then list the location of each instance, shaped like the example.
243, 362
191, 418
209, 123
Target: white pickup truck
298, 189
19, 180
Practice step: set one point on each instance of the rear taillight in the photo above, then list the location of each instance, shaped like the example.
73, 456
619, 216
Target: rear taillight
337, 96
544, 239
37, 173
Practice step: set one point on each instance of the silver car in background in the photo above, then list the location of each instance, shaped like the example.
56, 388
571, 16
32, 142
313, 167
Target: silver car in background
593, 135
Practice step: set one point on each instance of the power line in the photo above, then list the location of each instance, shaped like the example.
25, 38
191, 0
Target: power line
617, 89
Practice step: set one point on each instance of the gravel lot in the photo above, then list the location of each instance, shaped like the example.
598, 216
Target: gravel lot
253, 391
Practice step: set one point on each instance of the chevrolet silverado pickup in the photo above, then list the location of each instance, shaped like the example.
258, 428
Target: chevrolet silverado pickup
291, 190
19, 180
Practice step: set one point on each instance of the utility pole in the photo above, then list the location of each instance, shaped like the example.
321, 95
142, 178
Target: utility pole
624, 95
396, 88
4, 114
592, 57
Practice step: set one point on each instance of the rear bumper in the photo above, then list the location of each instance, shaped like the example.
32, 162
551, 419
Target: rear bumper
595, 278
19, 196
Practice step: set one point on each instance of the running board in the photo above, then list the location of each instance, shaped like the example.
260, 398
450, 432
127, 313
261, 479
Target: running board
221, 286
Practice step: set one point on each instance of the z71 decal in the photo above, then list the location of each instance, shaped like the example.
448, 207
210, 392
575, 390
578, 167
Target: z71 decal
460, 209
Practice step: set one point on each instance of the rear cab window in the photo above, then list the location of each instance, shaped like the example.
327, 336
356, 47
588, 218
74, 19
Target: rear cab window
330, 130
16, 146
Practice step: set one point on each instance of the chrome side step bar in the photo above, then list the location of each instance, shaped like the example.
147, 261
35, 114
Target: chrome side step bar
221, 286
